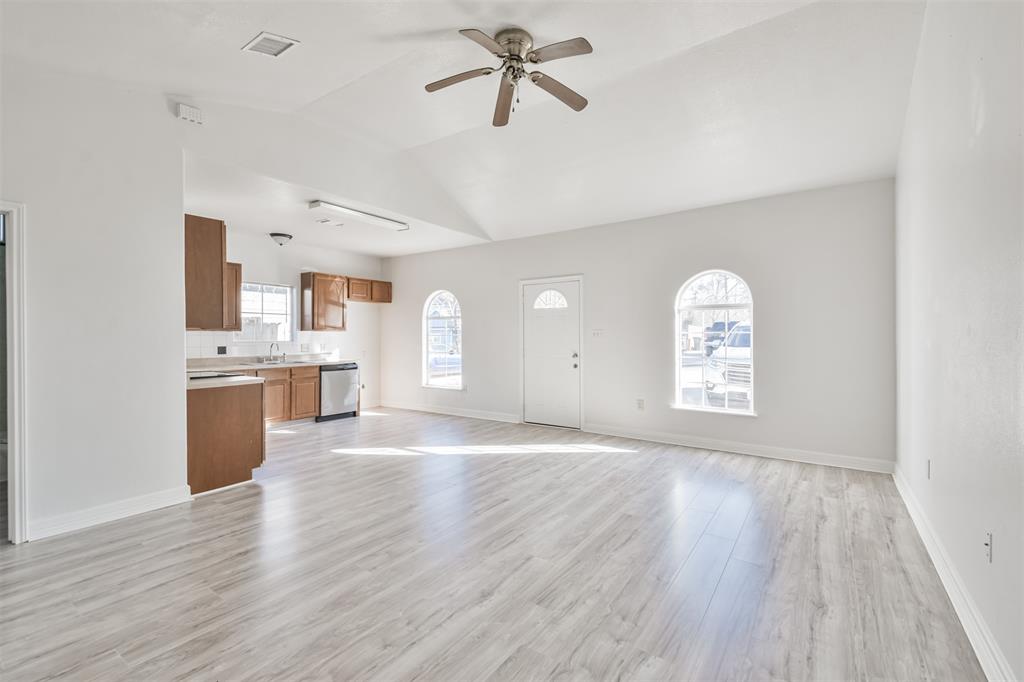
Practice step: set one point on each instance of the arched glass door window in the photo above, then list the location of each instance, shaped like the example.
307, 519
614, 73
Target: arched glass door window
442, 341
550, 299
715, 343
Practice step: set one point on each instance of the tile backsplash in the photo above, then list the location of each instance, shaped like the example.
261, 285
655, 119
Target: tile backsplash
204, 344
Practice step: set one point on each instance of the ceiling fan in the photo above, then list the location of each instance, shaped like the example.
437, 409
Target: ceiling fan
514, 47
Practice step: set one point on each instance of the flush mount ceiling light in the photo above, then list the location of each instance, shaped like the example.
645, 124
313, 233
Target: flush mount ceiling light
269, 44
514, 47
281, 238
371, 218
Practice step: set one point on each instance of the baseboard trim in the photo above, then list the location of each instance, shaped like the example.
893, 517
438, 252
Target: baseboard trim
993, 661
456, 412
769, 451
65, 523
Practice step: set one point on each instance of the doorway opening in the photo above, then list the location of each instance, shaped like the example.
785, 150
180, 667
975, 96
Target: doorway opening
552, 362
13, 521
4, 532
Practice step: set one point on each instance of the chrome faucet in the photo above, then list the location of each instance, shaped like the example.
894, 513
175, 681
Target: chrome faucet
273, 345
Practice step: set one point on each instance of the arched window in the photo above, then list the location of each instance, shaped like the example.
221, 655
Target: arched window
550, 298
442, 341
715, 343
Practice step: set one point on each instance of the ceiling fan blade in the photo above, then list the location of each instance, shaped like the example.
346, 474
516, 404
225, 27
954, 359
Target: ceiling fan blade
458, 78
484, 41
503, 107
569, 96
566, 48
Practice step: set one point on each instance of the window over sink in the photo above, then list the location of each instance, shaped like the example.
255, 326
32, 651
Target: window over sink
715, 344
267, 312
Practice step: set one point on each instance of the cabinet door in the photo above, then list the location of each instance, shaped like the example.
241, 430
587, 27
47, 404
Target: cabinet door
358, 289
277, 400
305, 397
380, 292
205, 249
328, 303
233, 296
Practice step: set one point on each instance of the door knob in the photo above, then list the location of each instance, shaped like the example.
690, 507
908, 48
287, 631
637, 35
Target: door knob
575, 365
575, 355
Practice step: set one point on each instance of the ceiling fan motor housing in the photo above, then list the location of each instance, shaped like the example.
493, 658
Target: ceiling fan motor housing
516, 42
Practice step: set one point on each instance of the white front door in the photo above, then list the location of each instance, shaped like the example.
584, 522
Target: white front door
551, 353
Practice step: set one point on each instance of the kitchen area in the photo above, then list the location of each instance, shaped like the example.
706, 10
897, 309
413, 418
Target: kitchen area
300, 345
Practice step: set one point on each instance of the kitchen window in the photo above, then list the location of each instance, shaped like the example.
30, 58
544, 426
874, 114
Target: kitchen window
266, 312
715, 344
442, 341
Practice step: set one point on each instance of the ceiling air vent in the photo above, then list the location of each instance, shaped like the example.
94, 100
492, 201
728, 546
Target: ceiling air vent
269, 44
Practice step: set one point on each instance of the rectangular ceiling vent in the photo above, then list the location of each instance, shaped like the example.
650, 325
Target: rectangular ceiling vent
269, 44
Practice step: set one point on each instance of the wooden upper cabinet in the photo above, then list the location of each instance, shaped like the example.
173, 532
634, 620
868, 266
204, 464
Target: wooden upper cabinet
358, 289
205, 256
372, 291
380, 292
233, 296
322, 302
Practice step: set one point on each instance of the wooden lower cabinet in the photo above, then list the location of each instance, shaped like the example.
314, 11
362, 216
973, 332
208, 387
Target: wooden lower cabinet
225, 435
305, 397
277, 394
290, 393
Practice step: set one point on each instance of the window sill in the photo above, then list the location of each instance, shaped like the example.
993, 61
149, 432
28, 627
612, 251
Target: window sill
445, 388
714, 410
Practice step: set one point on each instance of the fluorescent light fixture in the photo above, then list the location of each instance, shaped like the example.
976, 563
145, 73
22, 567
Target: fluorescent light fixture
372, 218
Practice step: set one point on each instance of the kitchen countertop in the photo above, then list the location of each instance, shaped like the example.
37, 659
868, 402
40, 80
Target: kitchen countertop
247, 365
220, 382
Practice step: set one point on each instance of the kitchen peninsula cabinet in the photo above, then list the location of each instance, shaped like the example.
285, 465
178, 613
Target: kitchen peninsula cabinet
225, 435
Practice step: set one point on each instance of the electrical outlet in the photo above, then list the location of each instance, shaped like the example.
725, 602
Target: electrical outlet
222, 350
929, 470
640, 403
988, 546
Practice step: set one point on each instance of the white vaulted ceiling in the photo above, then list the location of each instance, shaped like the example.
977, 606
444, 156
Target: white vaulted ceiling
690, 103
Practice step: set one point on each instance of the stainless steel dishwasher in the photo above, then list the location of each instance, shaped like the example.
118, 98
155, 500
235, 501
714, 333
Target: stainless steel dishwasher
339, 391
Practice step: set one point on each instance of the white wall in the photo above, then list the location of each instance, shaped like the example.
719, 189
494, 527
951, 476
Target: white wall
961, 315
819, 264
99, 169
265, 262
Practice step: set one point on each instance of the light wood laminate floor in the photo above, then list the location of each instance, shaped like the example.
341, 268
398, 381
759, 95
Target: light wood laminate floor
404, 545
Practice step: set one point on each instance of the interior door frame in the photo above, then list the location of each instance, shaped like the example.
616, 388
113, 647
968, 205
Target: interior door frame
523, 283
17, 489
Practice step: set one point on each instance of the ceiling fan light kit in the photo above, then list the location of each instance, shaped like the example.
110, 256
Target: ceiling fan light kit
514, 47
